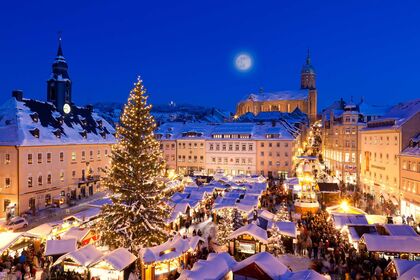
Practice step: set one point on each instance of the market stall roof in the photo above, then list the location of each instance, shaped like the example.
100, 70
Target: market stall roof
402, 266
118, 259
216, 266
400, 230
253, 230
265, 261
341, 220
83, 256
101, 202
76, 232
356, 231
85, 215
43, 230
171, 249
307, 274
412, 273
60, 247
7, 239
392, 244
286, 228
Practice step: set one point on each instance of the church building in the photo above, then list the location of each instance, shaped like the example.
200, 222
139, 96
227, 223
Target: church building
305, 98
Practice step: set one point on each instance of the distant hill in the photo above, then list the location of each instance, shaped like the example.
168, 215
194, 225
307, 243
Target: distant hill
172, 112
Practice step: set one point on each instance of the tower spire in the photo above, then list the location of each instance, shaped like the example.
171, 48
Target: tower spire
308, 58
59, 50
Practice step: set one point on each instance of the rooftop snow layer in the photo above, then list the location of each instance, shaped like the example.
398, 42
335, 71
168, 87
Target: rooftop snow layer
279, 95
32, 123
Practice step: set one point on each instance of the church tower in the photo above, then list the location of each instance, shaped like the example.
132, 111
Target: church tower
307, 81
59, 84
307, 75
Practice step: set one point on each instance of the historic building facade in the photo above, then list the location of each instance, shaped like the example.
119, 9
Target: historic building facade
410, 179
380, 144
340, 133
285, 101
232, 148
50, 152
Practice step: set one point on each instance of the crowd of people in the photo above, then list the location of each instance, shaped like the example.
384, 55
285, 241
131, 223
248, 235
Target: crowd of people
331, 252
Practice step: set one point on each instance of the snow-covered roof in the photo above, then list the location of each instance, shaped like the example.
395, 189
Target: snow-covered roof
176, 131
278, 95
83, 256
286, 228
60, 247
118, 259
8, 238
85, 215
267, 262
253, 230
100, 202
356, 231
216, 266
171, 249
411, 274
76, 233
307, 274
31, 122
341, 220
400, 230
394, 244
396, 116
402, 266
42, 230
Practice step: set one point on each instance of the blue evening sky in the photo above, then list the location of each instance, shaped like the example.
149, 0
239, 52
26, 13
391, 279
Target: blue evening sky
184, 50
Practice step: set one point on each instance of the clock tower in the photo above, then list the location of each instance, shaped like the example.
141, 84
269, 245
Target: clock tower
59, 84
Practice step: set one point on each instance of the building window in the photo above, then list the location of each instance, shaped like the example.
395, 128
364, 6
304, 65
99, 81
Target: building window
73, 156
49, 179
230, 147
262, 154
62, 156
237, 147
39, 158
224, 147
286, 154
6, 203
270, 144
29, 158
30, 182
211, 147
48, 157
91, 154
6, 158
262, 162
217, 147
83, 155
40, 180
250, 147
7, 182
286, 145
262, 144
98, 155
62, 176
106, 152
243, 147
286, 163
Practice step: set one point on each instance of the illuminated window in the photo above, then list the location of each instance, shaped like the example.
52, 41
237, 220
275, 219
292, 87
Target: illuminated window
48, 157
6, 158
62, 156
29, 158
73, 156
29, 182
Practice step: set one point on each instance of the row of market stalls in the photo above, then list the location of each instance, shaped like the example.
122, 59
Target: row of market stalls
90, 260
259, 266
372, 234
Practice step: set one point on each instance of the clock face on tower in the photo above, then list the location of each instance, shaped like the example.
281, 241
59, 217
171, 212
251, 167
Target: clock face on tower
66, 108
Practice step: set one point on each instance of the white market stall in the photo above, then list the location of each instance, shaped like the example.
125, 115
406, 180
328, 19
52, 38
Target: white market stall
57, 248
79, 260
217, 266
386, 245
112, 266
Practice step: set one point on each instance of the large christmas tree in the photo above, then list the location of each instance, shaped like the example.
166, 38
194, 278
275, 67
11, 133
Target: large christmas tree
224, 225
136, 217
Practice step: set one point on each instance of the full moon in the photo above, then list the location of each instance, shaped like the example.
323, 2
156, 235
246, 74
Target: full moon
243, 62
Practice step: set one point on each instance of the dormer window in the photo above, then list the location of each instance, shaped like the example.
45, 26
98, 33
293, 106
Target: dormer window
103, 134
84, 134
35, 117
60, 120
57, 133
35, 132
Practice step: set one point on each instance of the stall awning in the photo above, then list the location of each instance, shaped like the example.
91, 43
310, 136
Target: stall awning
83, 256
391, 244
8, 239
60, 247
252, 230
118, 259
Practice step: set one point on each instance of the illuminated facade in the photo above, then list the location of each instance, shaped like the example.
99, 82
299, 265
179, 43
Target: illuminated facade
381, 143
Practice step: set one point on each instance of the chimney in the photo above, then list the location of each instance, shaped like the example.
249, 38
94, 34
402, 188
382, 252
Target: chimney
18, 94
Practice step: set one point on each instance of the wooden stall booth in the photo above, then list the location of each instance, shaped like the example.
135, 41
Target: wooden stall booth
247, 240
